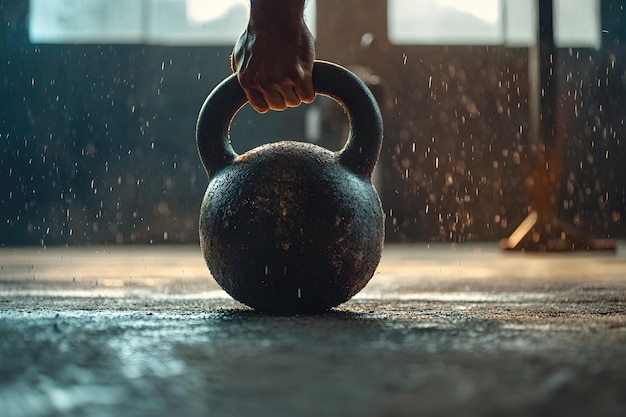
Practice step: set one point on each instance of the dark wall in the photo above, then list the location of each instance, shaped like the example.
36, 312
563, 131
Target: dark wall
459, 152
97, 141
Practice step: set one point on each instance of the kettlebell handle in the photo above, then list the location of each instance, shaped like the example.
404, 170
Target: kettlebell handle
362, 147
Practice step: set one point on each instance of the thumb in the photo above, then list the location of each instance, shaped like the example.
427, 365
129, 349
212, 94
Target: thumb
233, 64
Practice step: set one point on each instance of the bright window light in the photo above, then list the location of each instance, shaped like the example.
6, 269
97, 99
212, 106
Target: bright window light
520, 22
577, 23
196, 22
202, 11
169, 22
85, 21
491, 22
486, 10
468, 22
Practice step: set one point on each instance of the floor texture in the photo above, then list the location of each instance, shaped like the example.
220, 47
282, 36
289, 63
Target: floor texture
440, 330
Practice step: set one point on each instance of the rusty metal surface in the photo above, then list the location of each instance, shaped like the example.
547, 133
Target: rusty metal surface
439, 330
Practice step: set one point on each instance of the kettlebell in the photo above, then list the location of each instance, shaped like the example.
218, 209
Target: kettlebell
292, 227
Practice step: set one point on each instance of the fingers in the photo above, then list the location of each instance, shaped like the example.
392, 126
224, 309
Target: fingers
305, 91
265, 94
256, 100
263, 98
290, 96
279, 97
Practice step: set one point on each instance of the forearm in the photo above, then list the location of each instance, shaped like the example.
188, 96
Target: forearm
276, 15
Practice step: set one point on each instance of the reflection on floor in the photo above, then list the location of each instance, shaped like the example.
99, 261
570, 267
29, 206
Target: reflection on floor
440, 329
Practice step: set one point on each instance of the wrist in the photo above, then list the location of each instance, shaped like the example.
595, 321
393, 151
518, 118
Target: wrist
277, 15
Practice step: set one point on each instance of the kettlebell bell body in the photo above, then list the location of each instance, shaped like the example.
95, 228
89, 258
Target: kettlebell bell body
292, 227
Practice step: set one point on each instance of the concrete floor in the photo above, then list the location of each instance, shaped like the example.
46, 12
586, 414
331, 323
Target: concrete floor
444, 330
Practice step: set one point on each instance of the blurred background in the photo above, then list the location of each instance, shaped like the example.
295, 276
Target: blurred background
100, 99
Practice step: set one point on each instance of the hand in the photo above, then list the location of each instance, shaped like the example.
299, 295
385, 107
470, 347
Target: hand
274, 63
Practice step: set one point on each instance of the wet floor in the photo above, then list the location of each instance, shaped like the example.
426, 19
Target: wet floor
440, 330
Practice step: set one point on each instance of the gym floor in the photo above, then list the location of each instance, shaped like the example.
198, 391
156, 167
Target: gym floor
441, 329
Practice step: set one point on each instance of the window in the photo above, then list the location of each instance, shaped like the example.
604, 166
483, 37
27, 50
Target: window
170, 22
490, 22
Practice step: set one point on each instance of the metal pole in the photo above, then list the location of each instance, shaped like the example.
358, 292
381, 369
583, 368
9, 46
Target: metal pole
542, 230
